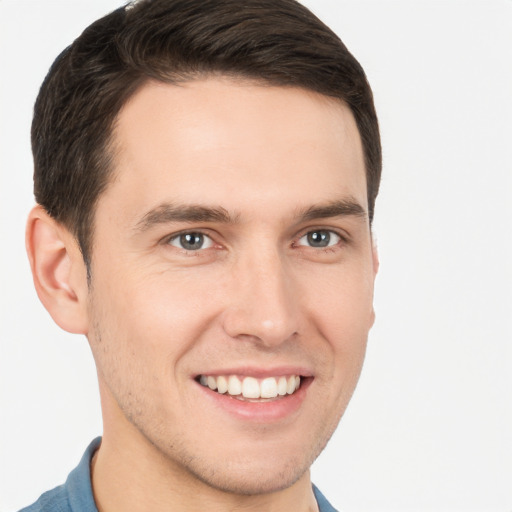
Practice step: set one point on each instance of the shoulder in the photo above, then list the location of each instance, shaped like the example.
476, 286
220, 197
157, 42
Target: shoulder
55, 500
73, 496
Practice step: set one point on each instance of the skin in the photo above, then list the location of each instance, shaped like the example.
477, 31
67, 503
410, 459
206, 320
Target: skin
257, 297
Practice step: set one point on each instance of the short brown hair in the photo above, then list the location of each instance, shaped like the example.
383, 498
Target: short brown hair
276, 42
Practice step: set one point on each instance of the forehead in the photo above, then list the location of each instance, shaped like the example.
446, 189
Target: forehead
214, 139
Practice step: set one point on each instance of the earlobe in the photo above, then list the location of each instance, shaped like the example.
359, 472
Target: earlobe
58, 270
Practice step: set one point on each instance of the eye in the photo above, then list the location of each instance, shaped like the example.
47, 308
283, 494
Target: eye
191, 241
320, 238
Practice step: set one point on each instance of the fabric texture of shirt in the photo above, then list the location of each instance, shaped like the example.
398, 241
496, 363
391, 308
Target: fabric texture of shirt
76, 494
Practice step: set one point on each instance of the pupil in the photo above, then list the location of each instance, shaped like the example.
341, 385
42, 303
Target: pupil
319, 238
191, 241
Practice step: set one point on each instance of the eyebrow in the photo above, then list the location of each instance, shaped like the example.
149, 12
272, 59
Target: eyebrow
342, 208
167, 212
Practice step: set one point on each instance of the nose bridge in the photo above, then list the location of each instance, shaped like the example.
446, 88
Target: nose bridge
263, 302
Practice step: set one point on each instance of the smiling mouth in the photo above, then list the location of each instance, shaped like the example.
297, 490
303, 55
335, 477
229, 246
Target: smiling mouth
251, 388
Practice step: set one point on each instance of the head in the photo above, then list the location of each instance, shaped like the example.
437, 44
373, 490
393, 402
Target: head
272, 43
208, 172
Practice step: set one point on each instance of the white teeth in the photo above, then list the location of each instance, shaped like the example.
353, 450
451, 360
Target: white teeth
234, 386
212, 382
268, 388
281, 386
250, 387
222, 384
290, 388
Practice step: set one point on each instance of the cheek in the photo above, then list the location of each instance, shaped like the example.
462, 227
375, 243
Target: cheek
156, 317
140, 332
340, 306
341, 300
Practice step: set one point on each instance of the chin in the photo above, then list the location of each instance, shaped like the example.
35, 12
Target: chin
247, 470
250, 479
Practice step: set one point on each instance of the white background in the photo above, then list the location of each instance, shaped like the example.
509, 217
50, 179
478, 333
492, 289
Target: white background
430, 425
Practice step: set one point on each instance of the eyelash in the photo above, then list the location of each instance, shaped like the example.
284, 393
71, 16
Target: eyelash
331, 247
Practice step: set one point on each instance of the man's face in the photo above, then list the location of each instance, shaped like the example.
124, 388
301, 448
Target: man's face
232, 248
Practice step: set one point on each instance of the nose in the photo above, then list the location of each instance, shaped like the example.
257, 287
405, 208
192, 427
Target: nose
262, 304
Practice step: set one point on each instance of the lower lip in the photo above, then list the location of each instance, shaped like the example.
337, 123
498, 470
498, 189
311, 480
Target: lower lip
259, 412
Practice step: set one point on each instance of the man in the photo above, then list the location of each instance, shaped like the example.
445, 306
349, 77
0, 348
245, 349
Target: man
206, 174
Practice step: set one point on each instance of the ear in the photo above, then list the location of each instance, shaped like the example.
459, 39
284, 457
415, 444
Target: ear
58, 270
375, 257
376, 264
